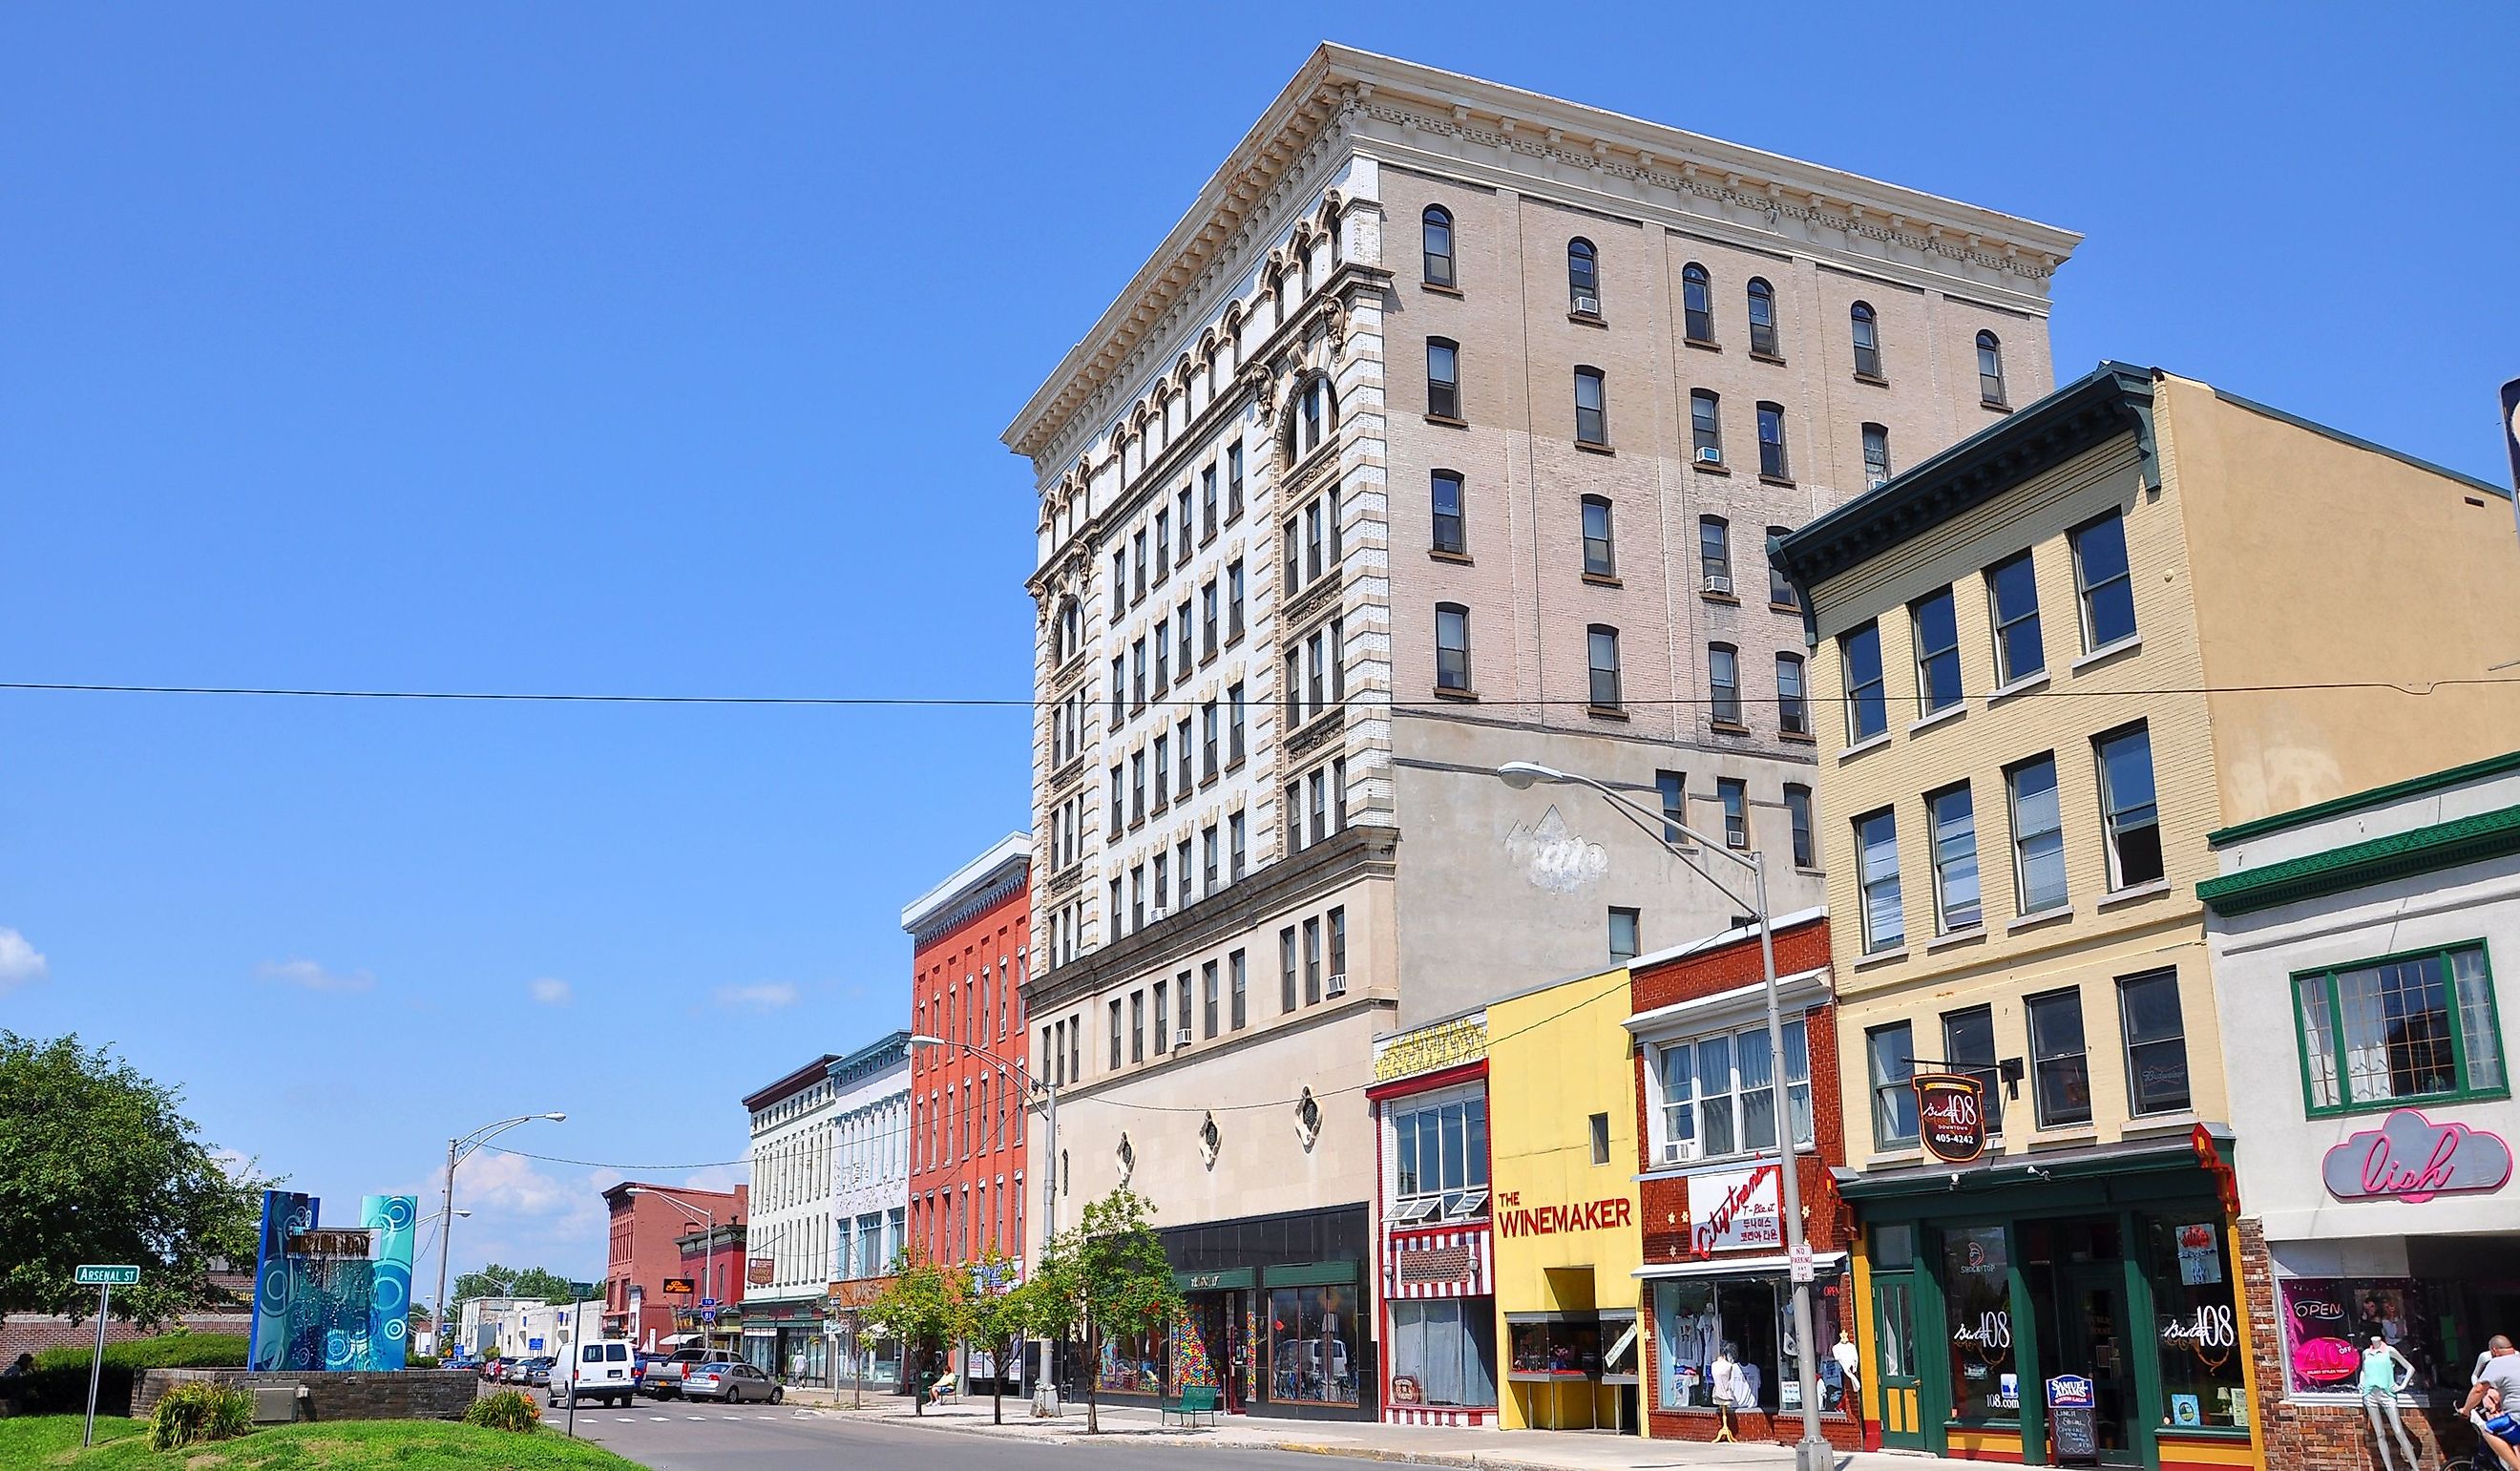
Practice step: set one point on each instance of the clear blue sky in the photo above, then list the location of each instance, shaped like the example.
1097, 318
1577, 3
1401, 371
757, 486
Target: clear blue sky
628, 348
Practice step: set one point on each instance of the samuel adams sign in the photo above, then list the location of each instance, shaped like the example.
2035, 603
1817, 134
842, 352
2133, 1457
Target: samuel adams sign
1950, 1116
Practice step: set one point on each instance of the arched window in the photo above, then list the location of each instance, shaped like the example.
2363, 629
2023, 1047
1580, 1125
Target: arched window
1771, 441
1445, 495
1072, 629
1763, 317
1436, 245
1868, 340
1443, 378
1876, 454
1312, 418
1451, 648
1697, 304
1583, 281
1705, 426
1715, 554
1990, 369
1592, 408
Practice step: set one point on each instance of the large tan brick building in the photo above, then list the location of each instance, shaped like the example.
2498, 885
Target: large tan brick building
2057, 657
1445, 429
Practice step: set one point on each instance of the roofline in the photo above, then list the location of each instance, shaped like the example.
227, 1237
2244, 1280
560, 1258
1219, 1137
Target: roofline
2370, 796
2330, 431
1302, 111
979, 873
802, 1078
1778, 924
615, 1194
2113, 399
894, 1041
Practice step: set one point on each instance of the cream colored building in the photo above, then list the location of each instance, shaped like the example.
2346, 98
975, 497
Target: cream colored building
2058, 656
1445, 429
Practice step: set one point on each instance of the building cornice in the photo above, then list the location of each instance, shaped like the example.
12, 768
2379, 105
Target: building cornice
873, 1060
2400, 855
986, 878
2351, 802
1337, 87
788, 1086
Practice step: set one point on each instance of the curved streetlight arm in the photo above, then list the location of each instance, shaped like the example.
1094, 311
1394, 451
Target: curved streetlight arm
462, 1150
458, 1150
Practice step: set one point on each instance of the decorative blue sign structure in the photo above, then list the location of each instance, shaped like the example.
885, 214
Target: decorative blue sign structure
337, 1300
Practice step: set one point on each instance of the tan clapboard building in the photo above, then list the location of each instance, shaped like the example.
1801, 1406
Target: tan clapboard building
2058, 656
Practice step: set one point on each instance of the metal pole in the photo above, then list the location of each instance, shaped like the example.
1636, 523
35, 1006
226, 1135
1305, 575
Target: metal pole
96, 1366
445, 1246
576, 1326
1049, 1385
1814, 1454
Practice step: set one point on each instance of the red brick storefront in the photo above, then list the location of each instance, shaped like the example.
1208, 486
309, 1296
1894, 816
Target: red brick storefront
1713, 1234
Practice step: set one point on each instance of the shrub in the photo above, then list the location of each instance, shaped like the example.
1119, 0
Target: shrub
505, 1411
192, 1414
61, 1375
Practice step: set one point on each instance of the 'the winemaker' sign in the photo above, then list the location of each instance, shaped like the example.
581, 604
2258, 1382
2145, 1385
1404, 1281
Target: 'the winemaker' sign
1950, 1116
2411, 1158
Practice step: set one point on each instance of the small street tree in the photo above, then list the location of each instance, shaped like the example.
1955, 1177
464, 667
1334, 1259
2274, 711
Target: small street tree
99, 1164
1109, 1275
924, 1306
1001, 1318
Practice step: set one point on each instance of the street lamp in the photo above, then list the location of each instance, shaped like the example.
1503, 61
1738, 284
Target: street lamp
1814, 1454
1048, 1093
709, 1243
458, 1150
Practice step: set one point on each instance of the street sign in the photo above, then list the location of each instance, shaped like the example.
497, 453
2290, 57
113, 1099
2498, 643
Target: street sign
108, 1276
709, 1301
1799, 1269
709, 1315
104, 1278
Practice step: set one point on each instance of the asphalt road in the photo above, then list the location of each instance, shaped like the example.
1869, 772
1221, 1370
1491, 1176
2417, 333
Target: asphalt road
673, 1435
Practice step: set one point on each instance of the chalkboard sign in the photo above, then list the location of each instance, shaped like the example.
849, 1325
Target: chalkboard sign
2073, 1438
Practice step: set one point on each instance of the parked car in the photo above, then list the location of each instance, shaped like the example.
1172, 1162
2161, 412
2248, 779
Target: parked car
537, 1371
600, 1370
731, 1381
664, 1378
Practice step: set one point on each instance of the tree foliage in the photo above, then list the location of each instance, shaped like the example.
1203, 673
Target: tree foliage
495, 1280
1107, 1274
99, 1164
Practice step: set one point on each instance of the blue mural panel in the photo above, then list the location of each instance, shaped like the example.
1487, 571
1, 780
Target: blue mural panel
342, 1314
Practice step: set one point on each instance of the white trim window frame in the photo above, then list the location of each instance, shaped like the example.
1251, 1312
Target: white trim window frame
1714, 1094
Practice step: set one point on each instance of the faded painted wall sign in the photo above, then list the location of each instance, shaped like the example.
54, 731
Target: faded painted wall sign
1554, 856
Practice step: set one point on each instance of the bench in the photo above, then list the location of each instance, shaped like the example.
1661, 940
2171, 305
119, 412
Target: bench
1194, 1401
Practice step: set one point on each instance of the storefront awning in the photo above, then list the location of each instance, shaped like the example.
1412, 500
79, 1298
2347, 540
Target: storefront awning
2044, 1169
1746, 1267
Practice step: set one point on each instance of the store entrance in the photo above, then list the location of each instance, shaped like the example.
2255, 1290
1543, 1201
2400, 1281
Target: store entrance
2076, 1273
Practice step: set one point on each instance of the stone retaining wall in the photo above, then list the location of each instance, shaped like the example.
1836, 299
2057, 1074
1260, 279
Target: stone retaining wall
410, 1395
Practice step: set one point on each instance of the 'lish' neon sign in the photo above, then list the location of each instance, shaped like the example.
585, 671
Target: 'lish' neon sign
2411, 1158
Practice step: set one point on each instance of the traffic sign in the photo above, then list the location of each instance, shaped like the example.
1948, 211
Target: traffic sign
708, 1302
708, 1316
1799, 1267
108, 1276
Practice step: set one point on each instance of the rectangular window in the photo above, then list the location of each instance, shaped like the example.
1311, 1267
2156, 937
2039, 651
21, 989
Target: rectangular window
1163, 1018
1236, 845
2414, 1027
1163, 545
1867, 706
1793, 707
1705, 427
1233, 481
1450, 533
1182, 518
1163, 764
1137, 1026
1119, 692
1116, 805
1207, 503
2060, 1073
1182, 650
2156, 1042
1443, 379
1235, 722
1600, 551
1116, 1031
1209, 859
1591, 415
1440, 1156
1968, 1049
1136, 896
1163, 884
2101, 580
1182, 774
1624, 936
1669, 786
1934, 626
1207, 621
1876, 849
1138, 560
1338, 942
1771, 441
1798, 811
1289, 557
1208, 726
1891, 1054
1312, 962
1597, 1128
1119, 582
1208, 999
1233, 600
1955, 889
2012, 599
1876, 454
2037, 837
1715, 553
1735, 798
1136, 788
1238, 972
1602, 647
1723, 684
1294, 820
2129, 816
1452, 647
1313, 541
1316, 792
1286, 968
1780, 587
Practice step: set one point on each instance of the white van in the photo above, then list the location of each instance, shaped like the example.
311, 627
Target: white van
602, 1370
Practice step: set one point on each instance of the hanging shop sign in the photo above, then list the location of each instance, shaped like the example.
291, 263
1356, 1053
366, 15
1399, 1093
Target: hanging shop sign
2411, 1158
679, 1287
1736, 1210
1950, 1116
760, 1271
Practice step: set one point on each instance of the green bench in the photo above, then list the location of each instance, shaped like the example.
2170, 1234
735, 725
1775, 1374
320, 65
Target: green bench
1194, 1401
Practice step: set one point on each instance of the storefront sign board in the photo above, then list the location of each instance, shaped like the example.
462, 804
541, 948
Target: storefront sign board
1736, 1210
1950, 1116
2411, 1158
1610, 1214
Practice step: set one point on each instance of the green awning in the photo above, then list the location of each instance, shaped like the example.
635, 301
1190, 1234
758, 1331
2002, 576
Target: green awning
1311, 1273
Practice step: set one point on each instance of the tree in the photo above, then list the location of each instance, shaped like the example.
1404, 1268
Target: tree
99, 1164
495, 1280
1109, 1272
924, 1305
1001, 1318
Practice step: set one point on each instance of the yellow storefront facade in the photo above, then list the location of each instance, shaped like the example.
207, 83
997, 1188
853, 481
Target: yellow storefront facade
1562, 1140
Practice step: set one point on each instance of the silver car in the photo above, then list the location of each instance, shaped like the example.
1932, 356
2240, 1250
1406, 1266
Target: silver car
730, 1382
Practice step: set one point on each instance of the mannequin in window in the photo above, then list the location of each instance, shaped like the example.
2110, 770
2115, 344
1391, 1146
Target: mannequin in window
1724, 1384
2386, 1373
1850, 1392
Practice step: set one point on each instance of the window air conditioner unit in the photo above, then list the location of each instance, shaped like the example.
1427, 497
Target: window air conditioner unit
1182, 1038
1590, 307
1337, 986
1719, 582
1708, 454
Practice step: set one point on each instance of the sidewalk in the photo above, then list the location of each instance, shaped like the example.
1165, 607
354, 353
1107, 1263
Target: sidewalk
1412, 1445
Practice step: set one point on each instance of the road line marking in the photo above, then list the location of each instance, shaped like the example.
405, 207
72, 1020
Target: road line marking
660, 1419
695, 1417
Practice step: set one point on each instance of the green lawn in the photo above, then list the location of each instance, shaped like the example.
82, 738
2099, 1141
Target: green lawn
46, 1441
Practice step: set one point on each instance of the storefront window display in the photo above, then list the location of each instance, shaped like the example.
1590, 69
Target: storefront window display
1311, 1345
2329, 1319
1753, 1317
2197, 1321
1548, 1345
1132, 1362
1444, 1346
1977, 1293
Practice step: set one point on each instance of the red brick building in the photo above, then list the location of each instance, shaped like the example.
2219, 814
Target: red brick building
647, 1248
968, 1099
1714, 1242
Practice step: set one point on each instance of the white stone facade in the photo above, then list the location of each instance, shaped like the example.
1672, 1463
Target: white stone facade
791, 1200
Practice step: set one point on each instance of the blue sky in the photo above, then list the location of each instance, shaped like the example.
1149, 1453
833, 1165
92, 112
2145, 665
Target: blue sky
630, 348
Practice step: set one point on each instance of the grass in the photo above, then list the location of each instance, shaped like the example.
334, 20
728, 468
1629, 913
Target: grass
53, 1441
